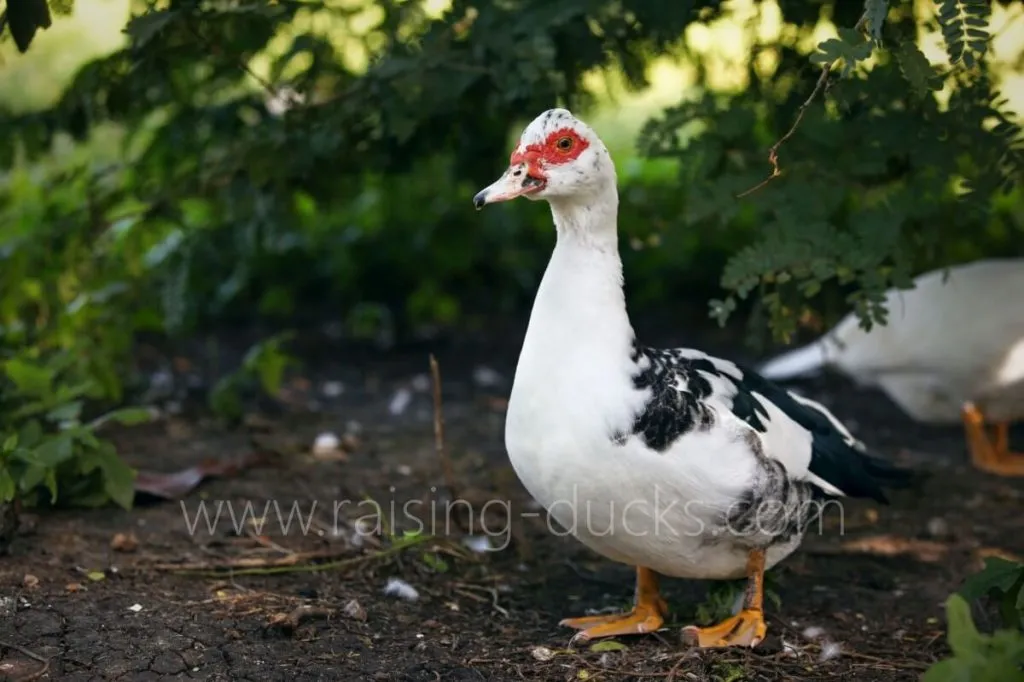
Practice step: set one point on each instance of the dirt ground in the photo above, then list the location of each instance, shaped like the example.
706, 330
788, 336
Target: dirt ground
102, 594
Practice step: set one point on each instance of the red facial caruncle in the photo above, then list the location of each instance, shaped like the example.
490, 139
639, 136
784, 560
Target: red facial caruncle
561, 146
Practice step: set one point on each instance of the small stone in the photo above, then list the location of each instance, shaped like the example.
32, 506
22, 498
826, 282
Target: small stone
486, 377
325, 444
354, 610
542, 653
477, 543
813, 632
350, 442
124, 542
938, 527
30, 582
332, 389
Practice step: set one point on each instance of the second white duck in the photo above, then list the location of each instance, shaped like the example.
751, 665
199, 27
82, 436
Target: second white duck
952, 350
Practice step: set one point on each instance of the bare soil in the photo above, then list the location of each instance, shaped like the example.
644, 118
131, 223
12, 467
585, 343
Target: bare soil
100, 594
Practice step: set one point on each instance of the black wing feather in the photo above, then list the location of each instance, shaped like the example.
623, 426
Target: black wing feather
834, 458
672, 413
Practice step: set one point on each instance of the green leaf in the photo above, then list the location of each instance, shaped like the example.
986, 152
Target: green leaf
916, 68
998, 574
949, 670
269, 362
54, 450
118, 477
963, 636
50, 481
70, 411
963, 23
33, 379
224, 398
128, 416
608, 645
32, 476
8, 487
146, 27
30, 434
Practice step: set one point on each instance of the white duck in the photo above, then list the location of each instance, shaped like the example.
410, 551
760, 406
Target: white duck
952, 350
672, 461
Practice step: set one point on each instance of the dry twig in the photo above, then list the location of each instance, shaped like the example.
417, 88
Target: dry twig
4, 644
288, 623
773, 152
446, 463
297, 562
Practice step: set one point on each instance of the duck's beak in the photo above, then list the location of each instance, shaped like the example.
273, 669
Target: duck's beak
520, 179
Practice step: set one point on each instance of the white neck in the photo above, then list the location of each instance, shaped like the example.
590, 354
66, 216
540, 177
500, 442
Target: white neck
579, 334
581, 291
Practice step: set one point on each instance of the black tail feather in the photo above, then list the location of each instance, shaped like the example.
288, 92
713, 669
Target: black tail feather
889, 475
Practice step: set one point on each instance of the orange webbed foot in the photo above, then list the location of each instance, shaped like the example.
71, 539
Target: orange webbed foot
745, 629
647, 616
989, 454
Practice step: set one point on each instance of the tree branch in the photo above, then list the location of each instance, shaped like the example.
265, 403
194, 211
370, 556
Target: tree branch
773, 152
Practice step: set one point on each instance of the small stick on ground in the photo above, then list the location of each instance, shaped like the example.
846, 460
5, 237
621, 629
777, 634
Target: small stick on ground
446, 463
288, 623
295, 563
4, 644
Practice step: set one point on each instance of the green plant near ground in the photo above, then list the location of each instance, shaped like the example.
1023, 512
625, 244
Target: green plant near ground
723, 595
80, 278
979, 657
264, 366
46, 445
65, 333
1002, 581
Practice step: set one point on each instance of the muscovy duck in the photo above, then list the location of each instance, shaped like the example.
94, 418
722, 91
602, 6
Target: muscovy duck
673, 461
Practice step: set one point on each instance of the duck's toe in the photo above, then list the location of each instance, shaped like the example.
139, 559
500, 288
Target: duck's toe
642, 619
991, 455
746, 629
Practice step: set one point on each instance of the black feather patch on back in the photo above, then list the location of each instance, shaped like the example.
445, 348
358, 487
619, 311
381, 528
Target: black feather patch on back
671, 411
679, 389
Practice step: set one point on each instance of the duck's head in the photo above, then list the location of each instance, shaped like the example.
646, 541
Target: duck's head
558, 156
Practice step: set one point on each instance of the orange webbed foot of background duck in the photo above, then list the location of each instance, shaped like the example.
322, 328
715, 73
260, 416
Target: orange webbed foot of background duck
990, 453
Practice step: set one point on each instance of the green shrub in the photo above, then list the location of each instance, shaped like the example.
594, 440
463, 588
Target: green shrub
978, 657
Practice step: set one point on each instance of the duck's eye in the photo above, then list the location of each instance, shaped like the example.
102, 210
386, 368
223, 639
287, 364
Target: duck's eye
564, 144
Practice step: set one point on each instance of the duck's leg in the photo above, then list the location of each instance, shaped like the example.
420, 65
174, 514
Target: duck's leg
990, 454
647, 615
747, 628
